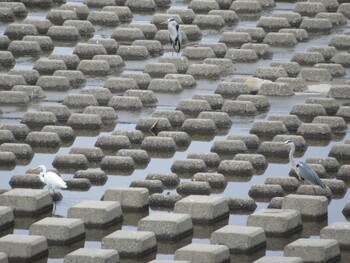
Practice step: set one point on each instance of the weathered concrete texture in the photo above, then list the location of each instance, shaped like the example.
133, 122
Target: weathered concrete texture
239, 205
19, 131
71, 60
339, 92
54, 83
198, 53
336, 70
7, 217
273, 23
169, 180
246, 7
308, 110
96, 213
341, 58
337, 124
24, 48
199, 127
279, 259
6, 136
34, 92
43, 139
338, 231
219, 49
289, 184
30, 76
84, 121
203, 208
110, 45
189, 166
236, 168
182, 139
276, 222
23, 247
58, 230
327, 52
7, 82
239, 238
130, 198
203, 253
130, 243
90, 255
292, 68
19, 9
331, 106
107, 114
181, 63
96, 177
260, 101
26, 201
153, 124
39, 118
153, 186
276, 89
229, 147
251, 140
193, 106
212, 160
311, 250
293, 18
339, 151
241, 55
203, 6
275, 202
330, 164
22, 151
231, 90
215, 180
263, 191
163, 201
308, 206
7, 59
309, 130
194, 188
163, 144
118, 163
186, 81
167, 226
17, 31
175, 117
75, 161
14, 97
65, 133
204, 71
269, 128
292, 122
94, 67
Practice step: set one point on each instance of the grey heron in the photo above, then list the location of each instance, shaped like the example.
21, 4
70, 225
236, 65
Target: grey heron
51, 179
174, 34
303, 170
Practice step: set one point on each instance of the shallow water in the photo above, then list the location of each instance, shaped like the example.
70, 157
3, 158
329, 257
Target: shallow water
128, 121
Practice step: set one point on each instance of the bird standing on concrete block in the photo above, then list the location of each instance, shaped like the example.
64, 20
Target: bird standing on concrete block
303, 170
174, 34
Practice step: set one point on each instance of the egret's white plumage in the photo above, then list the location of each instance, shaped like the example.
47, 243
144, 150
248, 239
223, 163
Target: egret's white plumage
303, 170
174, 34
51, 179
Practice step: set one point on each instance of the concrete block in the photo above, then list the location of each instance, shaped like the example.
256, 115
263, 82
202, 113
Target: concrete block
17, 31
236, 168
203, 6
231, 90
263, 191
268, 128
199, 127
244, 205
22, 151
34, 92
53, 83
276, 222
163, 201
319, 130
193, 188
215, 180
292, 68
331, 106
203, 208
239, 239
71, 60
19, 131
23, 247
30, 76
153, 186
338, 231
169, 180
292, 122
186, 81
166, 226
59, 230
159, 144
308, 206
27, 201
65, 133
203, 253
182, 139
84, 121
130, 198
43, 139
313, 250
96, 213
175, 117
289, 184
96, 177
260, 101
6, 217
94, 67
308, 110
204, 71
130, 243
125, 103
229, 147
90, 255
76, 161
82, 11
212, 160
279, 259
189, 166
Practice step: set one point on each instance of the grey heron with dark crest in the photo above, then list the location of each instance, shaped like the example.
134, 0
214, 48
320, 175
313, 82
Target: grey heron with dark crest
174, 34
302, 169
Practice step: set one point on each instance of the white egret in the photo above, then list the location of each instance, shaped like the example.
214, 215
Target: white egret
174, 34
303, 170
51, 179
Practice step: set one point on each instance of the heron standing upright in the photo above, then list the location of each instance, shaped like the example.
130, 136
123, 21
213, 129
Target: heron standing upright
303, 170
51, 179
174, 34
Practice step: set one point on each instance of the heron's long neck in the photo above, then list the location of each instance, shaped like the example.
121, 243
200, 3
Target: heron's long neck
41, 175
291, 158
